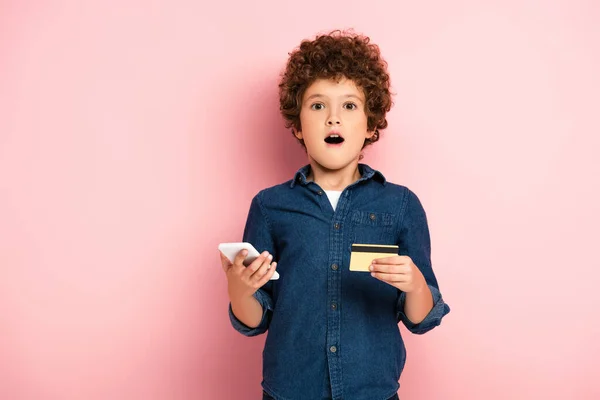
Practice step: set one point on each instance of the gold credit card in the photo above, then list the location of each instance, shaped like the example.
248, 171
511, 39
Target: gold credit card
363, 254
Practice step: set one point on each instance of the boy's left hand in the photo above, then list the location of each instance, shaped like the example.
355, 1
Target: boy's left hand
400, 272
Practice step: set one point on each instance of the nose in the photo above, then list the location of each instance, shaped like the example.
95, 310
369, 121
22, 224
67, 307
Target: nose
333, 120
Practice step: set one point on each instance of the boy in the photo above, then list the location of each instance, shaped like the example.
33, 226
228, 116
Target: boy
332, 332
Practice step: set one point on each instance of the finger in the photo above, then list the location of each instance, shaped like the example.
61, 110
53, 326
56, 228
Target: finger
240, 257
256, 264
390, 278
262, 270
225, 263
392, 260
390, 268
267, 277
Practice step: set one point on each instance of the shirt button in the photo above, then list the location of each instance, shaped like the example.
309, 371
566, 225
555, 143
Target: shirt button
334, 267
336, 226
372, 216
333, 306
333, 349
320, 193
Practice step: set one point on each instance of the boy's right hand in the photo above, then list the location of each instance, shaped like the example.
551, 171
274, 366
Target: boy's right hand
244, 281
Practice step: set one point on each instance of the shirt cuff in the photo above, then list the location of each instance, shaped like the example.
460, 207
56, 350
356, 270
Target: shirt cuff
267, 305
433, 319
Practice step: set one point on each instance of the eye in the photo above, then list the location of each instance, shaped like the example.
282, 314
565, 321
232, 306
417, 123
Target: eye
350, 106
317, 106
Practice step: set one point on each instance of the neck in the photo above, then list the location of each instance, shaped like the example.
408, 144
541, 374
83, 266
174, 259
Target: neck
329, 179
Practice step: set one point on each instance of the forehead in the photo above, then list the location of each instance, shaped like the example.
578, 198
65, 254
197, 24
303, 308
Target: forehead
333, 89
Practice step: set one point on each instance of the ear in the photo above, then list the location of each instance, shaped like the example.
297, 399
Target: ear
370, 134
298, 134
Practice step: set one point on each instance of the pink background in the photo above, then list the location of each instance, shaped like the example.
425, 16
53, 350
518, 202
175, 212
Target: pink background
133, 135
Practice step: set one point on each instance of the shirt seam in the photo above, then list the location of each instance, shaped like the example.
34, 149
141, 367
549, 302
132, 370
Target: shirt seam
403, 211
264, 215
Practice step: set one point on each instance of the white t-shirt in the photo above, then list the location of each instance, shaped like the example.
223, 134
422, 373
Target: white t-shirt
334, 196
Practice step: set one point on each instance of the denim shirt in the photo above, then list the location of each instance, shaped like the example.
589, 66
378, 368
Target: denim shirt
333, 333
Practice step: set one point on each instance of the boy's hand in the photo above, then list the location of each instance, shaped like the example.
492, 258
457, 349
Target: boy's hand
244, 281
400, 272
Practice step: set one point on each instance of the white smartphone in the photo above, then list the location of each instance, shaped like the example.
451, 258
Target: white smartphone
232, 249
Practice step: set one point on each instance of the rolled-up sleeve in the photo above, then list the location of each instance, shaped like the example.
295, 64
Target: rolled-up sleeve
267, 305
415, 242
258, 233
433, 319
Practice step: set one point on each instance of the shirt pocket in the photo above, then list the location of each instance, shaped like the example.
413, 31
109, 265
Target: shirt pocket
373, 227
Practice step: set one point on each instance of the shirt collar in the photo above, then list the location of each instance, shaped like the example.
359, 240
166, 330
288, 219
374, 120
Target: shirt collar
366, 173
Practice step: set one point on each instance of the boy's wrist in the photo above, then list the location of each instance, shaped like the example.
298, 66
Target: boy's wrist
239, 299
419, 290
422, 287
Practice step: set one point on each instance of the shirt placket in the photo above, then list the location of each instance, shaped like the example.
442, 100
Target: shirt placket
334, 290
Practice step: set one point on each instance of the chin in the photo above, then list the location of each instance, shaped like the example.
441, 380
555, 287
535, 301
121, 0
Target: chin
334, 165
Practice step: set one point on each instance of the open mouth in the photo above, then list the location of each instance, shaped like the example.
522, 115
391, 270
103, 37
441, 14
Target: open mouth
334, 139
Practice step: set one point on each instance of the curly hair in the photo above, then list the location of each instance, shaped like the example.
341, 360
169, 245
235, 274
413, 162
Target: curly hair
337, 55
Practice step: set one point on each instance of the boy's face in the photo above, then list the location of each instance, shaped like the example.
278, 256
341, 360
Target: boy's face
331, 108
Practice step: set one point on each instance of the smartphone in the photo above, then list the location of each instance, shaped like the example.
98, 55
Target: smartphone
230, 250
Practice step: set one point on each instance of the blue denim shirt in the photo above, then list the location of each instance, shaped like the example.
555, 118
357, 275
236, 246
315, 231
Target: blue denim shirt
333, 333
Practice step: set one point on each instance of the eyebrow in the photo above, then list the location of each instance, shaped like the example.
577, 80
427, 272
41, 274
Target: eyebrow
316, 95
